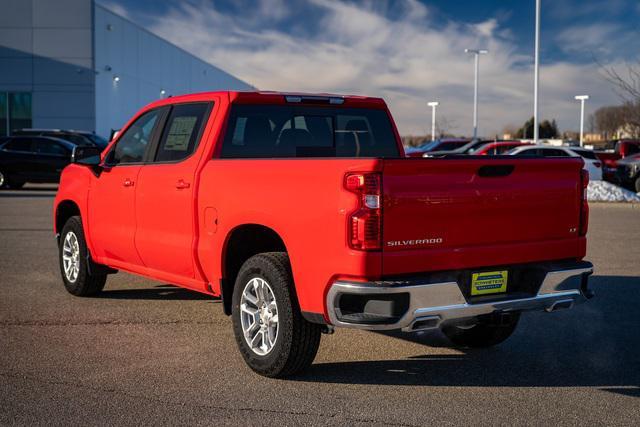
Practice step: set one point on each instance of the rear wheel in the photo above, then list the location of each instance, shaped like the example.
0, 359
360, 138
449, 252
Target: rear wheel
487, 332
637, 184
15, 184
80, 275
7, 182
273, 337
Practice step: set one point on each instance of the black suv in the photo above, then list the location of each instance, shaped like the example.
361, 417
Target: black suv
628, 172
32, 159
78, 137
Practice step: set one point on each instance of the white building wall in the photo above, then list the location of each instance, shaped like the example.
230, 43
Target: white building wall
46, 49
145, 65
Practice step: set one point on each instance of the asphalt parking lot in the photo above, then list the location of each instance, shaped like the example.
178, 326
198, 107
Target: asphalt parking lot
149, 353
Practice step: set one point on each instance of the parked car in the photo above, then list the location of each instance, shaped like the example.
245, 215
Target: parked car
32, 159
437, 145
302, 213
628, 173
465, 149
592, 164
497, 148
621, 149
78, 137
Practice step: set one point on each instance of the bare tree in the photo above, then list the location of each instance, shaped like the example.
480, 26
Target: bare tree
626, 84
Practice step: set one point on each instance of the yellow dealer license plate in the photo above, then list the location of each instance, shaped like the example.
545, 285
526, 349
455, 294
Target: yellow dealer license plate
489, 282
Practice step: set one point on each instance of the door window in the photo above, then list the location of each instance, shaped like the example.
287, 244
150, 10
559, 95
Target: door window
19, 144
132, 145
531, 152
182, 132
554, 152
45, 146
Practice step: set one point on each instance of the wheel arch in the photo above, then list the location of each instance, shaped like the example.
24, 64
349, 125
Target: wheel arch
241, 243
65, 210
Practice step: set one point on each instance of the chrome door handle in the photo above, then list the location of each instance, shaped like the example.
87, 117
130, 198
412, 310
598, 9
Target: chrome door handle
182, 184
127, 183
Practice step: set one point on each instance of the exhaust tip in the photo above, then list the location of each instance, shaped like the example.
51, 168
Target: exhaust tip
423, 323
560, 305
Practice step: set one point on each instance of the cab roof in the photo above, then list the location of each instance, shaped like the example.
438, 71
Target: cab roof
278, 98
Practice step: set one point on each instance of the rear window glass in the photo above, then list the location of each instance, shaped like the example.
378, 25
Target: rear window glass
263, 131
587, 154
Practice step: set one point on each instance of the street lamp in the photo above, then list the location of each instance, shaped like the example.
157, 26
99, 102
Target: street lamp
536, 75
433, 106
476, 53
582, 98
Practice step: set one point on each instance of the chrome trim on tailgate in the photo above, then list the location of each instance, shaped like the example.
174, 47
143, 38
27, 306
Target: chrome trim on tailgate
431, 304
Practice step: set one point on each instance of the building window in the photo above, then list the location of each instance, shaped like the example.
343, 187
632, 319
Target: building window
15, 111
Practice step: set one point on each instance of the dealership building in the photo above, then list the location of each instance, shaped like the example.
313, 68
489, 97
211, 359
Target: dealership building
75, 64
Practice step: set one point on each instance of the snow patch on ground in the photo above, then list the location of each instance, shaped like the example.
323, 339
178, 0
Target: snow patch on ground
603, 191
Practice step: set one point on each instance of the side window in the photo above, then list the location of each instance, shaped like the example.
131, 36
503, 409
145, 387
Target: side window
552, 152
532, 152
182, 132
503, 149
633, 149
45, 146
22, 145
131, 147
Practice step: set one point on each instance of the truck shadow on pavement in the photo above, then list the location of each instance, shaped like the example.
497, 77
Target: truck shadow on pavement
159, 292
596, 344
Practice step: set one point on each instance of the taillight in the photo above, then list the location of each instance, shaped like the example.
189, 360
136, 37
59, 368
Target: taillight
365, 223
584, 206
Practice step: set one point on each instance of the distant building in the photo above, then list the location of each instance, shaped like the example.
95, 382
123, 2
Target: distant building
75, 64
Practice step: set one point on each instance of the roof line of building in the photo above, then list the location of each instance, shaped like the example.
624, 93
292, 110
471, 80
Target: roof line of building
146, 30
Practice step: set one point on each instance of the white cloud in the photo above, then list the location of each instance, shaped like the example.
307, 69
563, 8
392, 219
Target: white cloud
589, 38
400, 54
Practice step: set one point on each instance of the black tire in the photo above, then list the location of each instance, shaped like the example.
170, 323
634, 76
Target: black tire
297, 340
15, 185
485, 333
90, 280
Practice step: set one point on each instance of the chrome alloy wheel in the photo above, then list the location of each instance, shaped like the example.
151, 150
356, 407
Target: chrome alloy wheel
259, 316
2, 179
71, 256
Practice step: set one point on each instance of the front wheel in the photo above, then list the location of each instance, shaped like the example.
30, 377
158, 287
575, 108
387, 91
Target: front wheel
273, 337
79, 277
637, 184
486, 332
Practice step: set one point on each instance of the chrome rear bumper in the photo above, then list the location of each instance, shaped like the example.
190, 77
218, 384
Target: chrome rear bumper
431, 304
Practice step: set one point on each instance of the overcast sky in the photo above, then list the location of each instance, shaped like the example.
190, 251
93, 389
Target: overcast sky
410, 52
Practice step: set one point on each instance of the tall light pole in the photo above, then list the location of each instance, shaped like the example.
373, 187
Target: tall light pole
433, 106
536, 75
582, 98
476, 53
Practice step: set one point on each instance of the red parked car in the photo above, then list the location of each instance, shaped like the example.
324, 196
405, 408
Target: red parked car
301, 213
498, 147
621, 149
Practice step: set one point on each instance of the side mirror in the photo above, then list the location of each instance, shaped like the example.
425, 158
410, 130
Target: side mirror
87, 155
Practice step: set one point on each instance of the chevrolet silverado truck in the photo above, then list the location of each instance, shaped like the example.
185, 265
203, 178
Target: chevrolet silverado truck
302, 214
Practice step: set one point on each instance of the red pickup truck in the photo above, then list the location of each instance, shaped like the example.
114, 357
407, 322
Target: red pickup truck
621, 149
302, 213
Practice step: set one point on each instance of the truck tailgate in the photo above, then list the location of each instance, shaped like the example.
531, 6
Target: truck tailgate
442, 214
